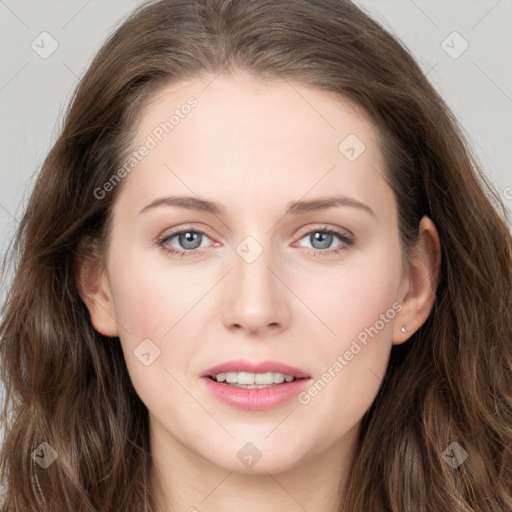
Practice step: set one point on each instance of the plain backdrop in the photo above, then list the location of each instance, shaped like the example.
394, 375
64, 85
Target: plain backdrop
463, 46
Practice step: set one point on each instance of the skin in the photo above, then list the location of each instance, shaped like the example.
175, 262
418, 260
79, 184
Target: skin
254, 147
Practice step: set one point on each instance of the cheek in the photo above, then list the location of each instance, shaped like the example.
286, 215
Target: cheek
151, 297
151, 308
353, 295
358, 305
160, 301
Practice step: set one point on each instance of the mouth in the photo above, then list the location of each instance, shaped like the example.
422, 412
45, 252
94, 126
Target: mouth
258, 396
245, 373
254, 386
249, 380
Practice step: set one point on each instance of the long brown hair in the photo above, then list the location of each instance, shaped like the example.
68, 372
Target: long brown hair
451, 382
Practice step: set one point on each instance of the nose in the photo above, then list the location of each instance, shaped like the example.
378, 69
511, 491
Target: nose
257, 299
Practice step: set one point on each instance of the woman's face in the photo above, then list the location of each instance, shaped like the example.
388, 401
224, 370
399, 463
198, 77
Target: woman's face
271, 274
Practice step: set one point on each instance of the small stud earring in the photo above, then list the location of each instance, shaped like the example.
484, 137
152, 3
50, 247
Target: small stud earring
404, 330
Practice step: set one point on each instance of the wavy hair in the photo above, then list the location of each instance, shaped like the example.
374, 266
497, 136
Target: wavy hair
68, 386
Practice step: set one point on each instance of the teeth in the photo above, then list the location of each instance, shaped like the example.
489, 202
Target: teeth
257, 379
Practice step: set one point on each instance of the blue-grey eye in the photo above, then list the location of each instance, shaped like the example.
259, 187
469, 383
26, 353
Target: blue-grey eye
323, 238
190, 239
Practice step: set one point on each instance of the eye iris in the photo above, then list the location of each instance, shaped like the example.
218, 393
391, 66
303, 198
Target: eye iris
188, 240
324, 238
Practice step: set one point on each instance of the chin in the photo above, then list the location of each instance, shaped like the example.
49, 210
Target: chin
255, 458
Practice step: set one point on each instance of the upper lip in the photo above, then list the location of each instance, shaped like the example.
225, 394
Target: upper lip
241, 365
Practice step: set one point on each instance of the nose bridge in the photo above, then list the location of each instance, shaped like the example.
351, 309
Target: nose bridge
257, 298
252, 274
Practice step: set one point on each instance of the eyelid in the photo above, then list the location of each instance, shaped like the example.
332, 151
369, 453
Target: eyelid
180, 229
324, 227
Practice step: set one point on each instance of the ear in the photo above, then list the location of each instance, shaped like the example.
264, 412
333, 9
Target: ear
418, 292
94, 288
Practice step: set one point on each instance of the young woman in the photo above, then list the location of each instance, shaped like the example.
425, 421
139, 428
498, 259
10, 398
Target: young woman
259, 269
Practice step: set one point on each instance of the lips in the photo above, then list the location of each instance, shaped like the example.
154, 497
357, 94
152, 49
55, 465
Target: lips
241, 365
254, 399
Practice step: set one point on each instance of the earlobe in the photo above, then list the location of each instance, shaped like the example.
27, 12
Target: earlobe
424, 266
94, 288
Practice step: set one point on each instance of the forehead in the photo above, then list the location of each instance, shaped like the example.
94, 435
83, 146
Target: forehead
241, 137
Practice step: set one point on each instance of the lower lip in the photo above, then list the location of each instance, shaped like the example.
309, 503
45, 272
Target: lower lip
255, 399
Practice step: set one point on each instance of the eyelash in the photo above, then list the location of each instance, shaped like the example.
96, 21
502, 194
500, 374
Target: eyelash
347, 242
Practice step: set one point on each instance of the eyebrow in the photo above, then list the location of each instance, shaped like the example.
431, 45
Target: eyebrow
293, 208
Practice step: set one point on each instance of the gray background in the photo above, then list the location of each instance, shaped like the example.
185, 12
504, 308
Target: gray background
477, 84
